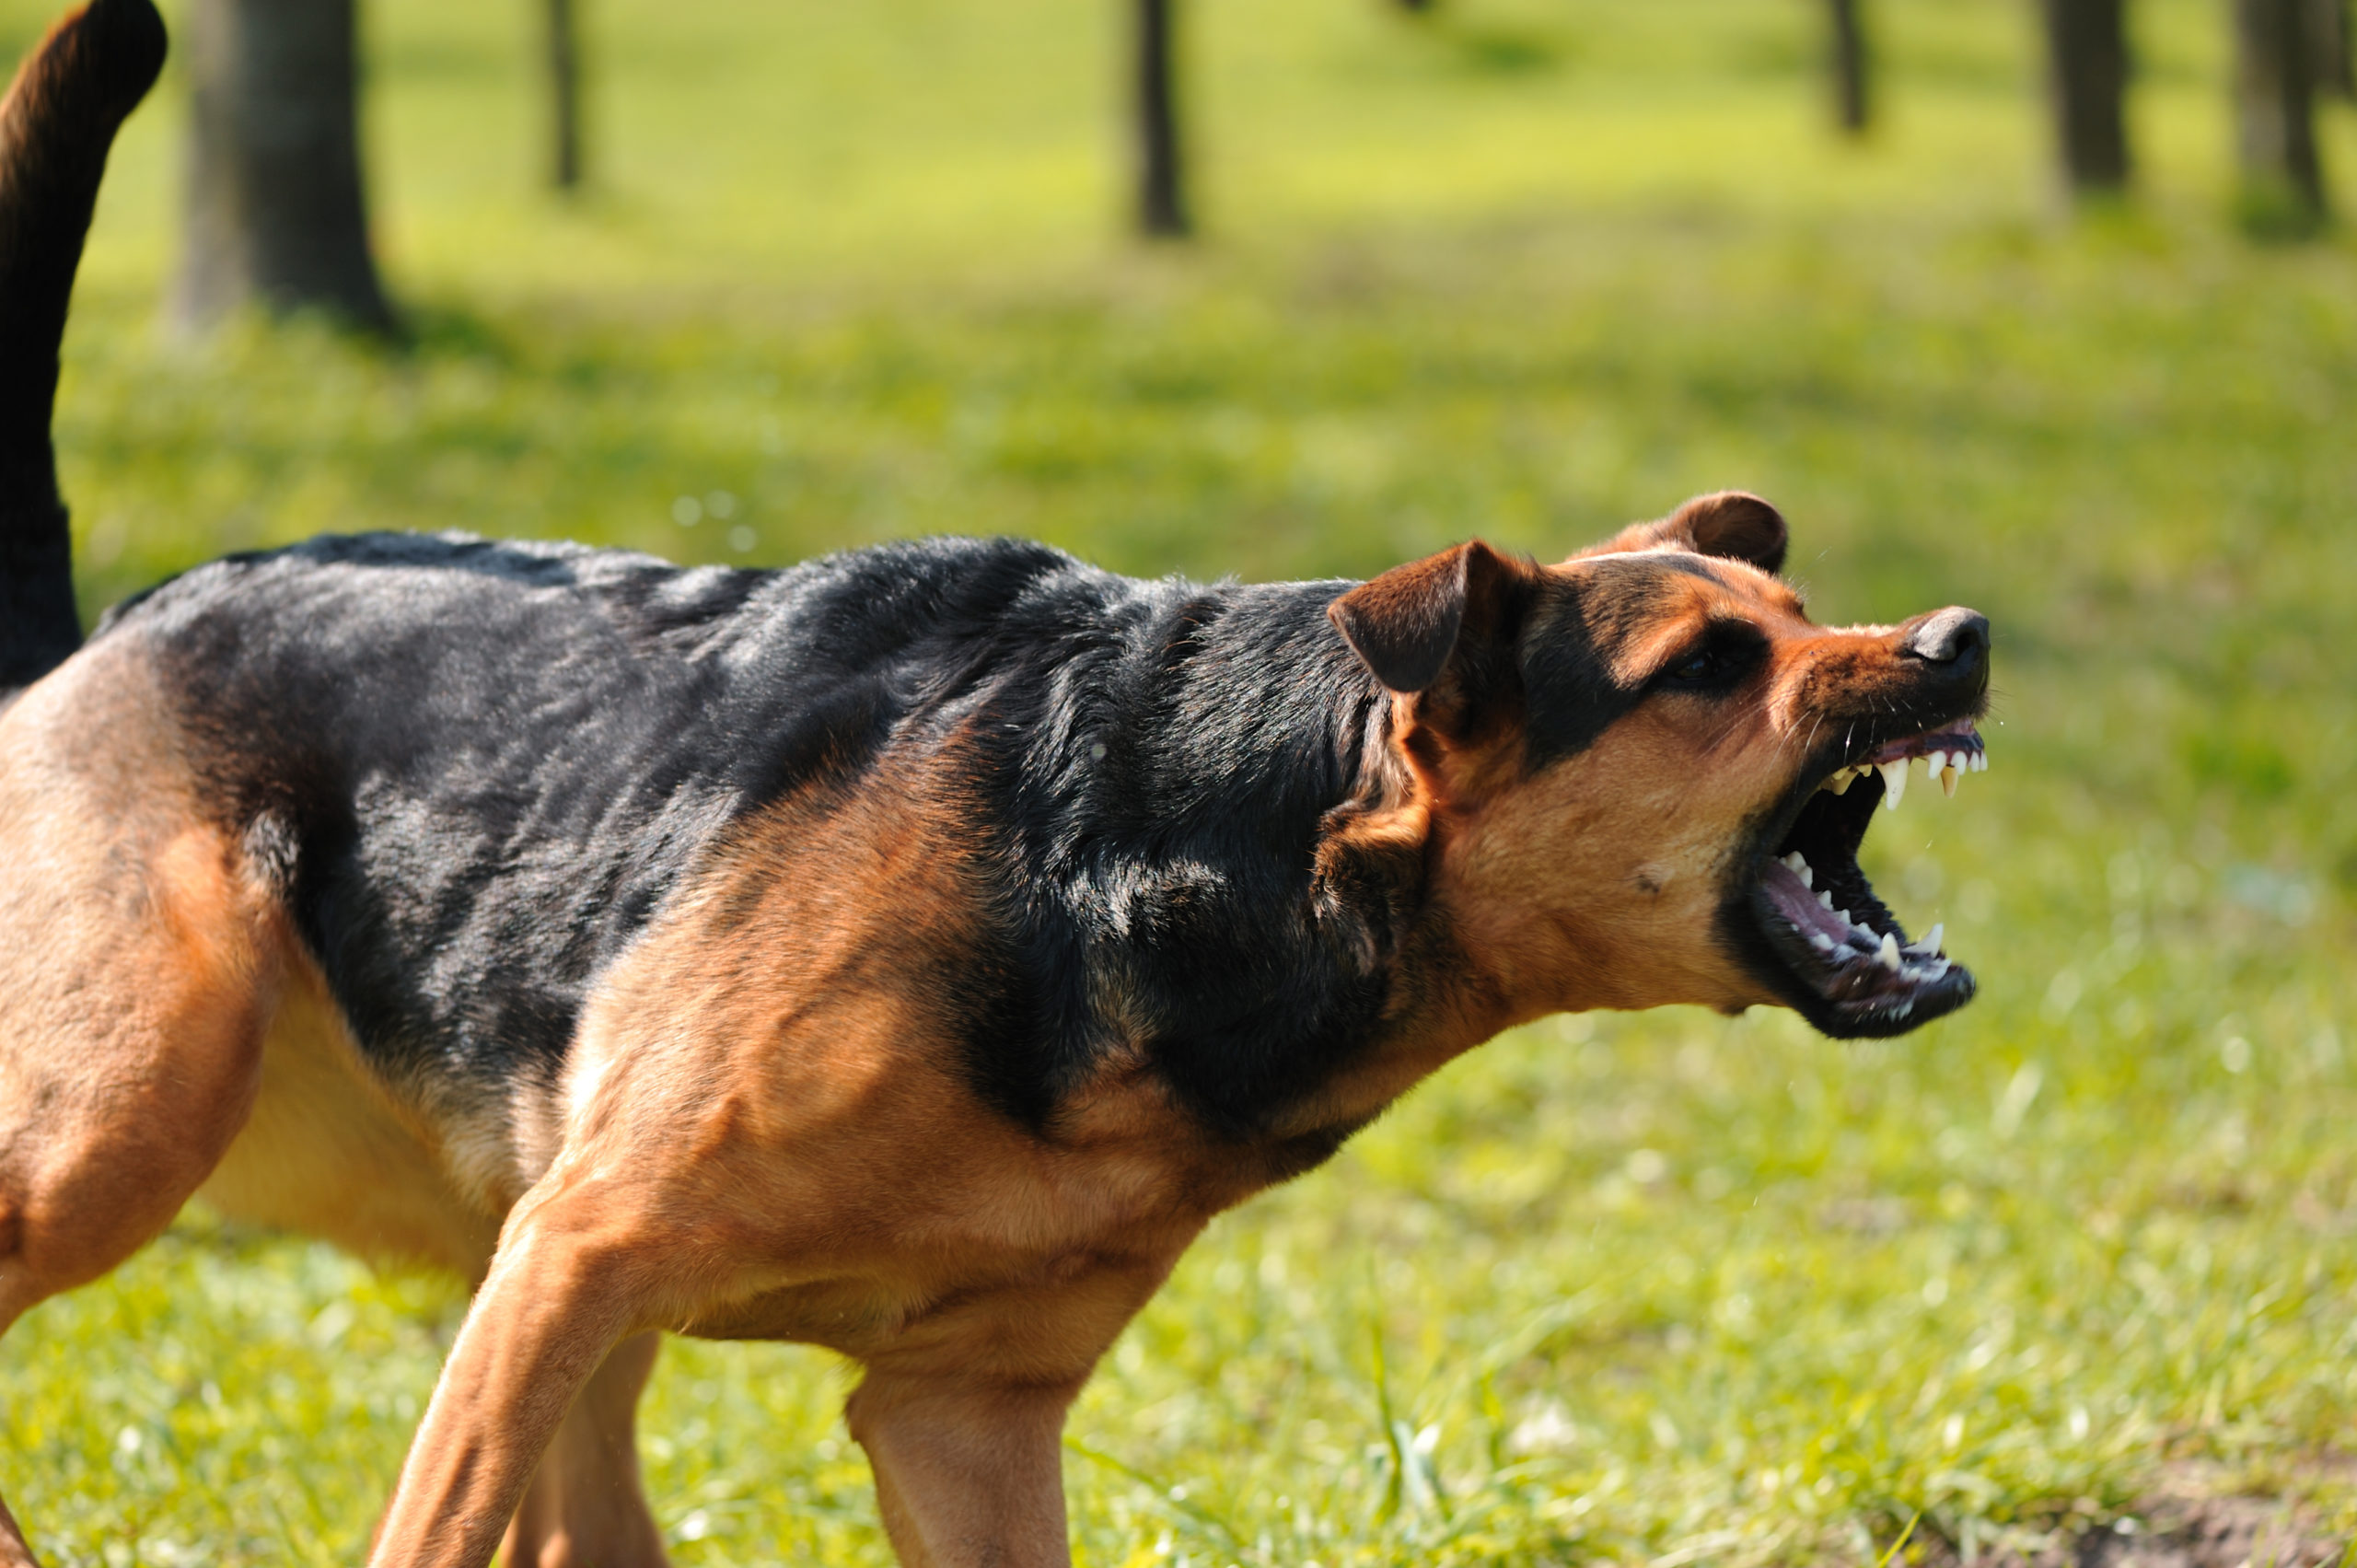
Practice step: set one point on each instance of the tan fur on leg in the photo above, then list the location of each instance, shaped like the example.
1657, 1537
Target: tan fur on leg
566, 1285
138, 965
584, 1507
966, 1473
14, 1552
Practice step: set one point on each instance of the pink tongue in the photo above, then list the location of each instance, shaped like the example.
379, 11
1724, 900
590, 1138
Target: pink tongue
1797, 904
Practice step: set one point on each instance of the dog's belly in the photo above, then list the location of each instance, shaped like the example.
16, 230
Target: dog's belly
841, 1315
327, 1153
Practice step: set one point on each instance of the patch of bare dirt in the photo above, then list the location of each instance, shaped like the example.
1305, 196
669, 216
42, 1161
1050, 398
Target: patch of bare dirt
2189, 1523
2214, 1532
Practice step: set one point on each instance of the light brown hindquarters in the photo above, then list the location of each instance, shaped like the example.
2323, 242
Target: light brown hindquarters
161, 1034
137, 966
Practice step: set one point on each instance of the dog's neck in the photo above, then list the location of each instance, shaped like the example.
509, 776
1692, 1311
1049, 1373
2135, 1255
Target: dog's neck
1237, 865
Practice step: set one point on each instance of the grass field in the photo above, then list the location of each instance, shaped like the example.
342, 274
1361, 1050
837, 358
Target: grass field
1667, 1288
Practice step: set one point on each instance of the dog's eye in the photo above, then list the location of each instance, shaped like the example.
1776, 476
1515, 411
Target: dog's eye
1696, 666
1716, 664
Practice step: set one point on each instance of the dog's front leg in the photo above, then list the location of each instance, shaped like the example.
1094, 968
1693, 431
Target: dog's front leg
963, 1416
584, 1507
969, 1471
14, 1552
566, 1286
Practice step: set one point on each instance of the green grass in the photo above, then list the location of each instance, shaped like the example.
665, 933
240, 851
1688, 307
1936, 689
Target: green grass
1668, 1287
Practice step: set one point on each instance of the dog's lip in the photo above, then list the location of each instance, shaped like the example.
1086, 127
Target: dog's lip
1823, 922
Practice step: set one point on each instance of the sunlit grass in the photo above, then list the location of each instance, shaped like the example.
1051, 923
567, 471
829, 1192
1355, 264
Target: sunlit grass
1671, 1288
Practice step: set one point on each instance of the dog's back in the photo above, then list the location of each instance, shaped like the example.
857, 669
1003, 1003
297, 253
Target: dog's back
471, 772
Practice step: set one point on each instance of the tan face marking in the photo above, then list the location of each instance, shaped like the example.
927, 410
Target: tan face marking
1601, 873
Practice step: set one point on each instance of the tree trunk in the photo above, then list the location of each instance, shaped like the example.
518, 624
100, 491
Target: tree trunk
564, 94
2087, 51
1162, 199
275, 214
1851, 110
2274, 112
2333, 46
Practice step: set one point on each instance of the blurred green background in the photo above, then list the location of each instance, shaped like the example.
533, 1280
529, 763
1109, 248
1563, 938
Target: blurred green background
1667, 1288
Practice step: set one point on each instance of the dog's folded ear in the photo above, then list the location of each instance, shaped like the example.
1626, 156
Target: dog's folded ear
1731, 523
1444, 631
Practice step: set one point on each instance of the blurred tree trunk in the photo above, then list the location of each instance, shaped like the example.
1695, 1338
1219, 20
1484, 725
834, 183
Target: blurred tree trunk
2333, 46
1162, 197
2274, 111
2087, 54
564, 94
1851, 110
274, 214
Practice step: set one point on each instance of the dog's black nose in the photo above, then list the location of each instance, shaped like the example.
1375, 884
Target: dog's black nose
1948, 636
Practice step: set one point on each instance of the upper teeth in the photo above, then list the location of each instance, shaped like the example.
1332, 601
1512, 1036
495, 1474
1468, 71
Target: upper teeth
1942, 765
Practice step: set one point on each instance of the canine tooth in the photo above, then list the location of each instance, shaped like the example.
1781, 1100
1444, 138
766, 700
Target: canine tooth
1947, 781
1930, 944
1888, 953
1826, 899
1894, 781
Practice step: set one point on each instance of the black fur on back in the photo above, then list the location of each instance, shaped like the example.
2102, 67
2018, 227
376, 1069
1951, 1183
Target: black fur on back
479, 768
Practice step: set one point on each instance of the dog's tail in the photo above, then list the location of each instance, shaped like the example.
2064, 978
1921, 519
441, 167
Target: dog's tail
55, 127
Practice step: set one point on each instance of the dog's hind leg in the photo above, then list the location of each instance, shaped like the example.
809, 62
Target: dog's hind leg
584, 1507
138, 963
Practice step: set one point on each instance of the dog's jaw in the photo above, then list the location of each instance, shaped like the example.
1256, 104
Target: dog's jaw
1842, 959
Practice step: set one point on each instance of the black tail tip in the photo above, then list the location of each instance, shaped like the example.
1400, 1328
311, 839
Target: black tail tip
113, 49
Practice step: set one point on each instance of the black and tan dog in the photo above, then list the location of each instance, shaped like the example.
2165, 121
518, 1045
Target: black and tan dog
907, 952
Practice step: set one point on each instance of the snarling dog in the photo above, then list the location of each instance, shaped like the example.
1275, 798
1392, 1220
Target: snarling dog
906, 952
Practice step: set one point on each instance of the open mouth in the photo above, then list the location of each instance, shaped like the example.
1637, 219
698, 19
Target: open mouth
1858, 971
